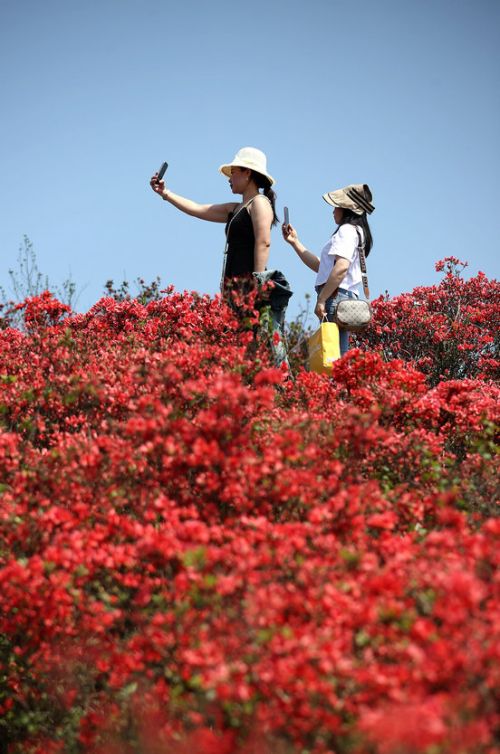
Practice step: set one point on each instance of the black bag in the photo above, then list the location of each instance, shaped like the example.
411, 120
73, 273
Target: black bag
280, 292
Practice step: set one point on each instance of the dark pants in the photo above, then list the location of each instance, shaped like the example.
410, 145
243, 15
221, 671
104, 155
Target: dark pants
271, 304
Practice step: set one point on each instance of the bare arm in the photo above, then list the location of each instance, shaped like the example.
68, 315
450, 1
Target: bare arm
337, 274
262, 217
216, 213
291, 237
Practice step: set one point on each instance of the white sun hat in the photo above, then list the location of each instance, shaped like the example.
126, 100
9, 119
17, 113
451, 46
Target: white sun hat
248, 157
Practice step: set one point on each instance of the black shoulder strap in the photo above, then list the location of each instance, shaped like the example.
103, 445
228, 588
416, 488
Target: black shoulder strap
362, 264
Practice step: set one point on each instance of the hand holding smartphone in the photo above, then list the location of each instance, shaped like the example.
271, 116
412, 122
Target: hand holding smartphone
289, 233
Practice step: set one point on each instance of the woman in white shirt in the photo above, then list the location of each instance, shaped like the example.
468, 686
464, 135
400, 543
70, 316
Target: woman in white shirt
338, 268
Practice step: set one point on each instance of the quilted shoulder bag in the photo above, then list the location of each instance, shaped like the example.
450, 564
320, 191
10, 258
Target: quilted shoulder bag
351, 313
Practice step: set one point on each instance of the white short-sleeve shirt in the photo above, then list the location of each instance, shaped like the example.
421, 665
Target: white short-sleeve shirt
343, 243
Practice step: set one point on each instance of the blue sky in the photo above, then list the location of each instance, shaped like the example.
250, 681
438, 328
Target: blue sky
401, 94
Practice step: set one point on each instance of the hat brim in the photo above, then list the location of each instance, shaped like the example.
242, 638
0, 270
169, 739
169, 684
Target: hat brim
226, 170
343, 203
329, 201
353, 197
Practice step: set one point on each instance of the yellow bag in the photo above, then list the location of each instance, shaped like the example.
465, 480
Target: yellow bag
324, 348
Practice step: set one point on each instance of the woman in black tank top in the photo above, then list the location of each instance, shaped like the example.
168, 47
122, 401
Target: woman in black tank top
248, 231
242, 255
240, 240
248, 224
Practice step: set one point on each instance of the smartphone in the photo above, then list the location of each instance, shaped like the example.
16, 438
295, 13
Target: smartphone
162, 170
286, 221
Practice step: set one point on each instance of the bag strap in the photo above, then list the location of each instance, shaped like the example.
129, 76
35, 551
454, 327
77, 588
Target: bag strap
362, 264
226, 248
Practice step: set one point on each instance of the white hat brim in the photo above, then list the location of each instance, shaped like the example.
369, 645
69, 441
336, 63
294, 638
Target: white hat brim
226, 169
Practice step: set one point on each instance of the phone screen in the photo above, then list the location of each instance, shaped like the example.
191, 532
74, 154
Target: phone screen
287, 218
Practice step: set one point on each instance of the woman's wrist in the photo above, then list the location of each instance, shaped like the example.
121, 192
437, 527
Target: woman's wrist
325, 293
164, 195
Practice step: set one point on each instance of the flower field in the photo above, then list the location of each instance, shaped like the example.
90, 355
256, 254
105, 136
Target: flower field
200, 555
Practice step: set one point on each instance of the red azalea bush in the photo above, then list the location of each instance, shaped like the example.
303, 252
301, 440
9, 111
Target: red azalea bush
448, 331
197, 555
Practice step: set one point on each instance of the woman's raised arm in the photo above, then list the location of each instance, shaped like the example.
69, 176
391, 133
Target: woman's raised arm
291, 237
215, 213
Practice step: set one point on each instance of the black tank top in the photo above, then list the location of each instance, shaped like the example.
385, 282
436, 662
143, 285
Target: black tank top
240, 244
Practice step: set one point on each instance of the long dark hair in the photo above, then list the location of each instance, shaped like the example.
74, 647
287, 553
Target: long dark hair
262, 182
351, 218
